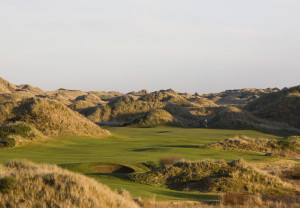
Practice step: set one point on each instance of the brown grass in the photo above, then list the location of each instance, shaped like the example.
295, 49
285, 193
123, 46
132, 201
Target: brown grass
49, 186
217, 177
50, 117
289, 146
169, 160
282, 106
157, 117
237, 199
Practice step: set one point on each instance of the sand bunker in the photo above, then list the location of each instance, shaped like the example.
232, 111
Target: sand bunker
112, 169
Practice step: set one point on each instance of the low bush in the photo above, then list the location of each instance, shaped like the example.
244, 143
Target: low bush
6, 184
149, 164
17, 129
7, 142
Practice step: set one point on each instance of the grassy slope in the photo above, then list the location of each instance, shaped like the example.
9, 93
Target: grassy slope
137, 145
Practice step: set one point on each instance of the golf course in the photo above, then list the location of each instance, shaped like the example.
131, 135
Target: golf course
127, 148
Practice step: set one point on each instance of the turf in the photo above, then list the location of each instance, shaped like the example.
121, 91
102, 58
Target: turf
135, 145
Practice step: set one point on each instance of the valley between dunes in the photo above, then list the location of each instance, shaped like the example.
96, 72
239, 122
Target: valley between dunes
237, 148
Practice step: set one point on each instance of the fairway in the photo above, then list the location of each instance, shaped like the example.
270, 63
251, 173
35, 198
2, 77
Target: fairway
132, 146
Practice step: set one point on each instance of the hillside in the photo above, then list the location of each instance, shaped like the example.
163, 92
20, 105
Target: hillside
169, 108
50, 117
211, 176
282, 106
239, 96
24, 184
269, 108
6, 87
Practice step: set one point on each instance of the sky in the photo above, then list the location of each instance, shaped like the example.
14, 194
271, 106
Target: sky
128, 45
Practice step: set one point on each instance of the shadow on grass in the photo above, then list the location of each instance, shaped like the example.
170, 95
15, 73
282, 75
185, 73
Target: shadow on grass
114, 175
279, 133
177, 195
189, 196
146, 149
181, 146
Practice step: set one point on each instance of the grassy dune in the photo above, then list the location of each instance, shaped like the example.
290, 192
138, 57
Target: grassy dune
25, 184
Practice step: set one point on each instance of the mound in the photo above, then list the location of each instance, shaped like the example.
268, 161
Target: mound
231, 117
106, 95
139, 93
157, 117
6, 87
15, 96
29, 88
89, 98
282, 106
203, 102
239, 96
24, 184
81, 104
210, 176
122, 110
263, 145
50, 117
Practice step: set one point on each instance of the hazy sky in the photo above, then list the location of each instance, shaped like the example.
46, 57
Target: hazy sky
125, 45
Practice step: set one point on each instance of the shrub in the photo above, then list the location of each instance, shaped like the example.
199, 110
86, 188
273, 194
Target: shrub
7, 142
7, 184
150, 164
287, 145
18, 129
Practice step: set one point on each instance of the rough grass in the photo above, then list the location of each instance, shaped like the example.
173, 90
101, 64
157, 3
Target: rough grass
50, 117
169, 160
20, 129
24, 184
122, 110
210, 176
284, 147
17, 133
156, 117
6, 87
282, 106
236, 199
81, 104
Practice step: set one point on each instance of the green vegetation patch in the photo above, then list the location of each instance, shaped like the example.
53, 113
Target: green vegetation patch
8, 132
20, 129
7, 184
211, 176
245, 143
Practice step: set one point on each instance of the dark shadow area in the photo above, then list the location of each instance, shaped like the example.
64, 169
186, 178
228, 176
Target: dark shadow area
145, 149
119, 169
181, 146
279, 133
209, 198
115, 175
